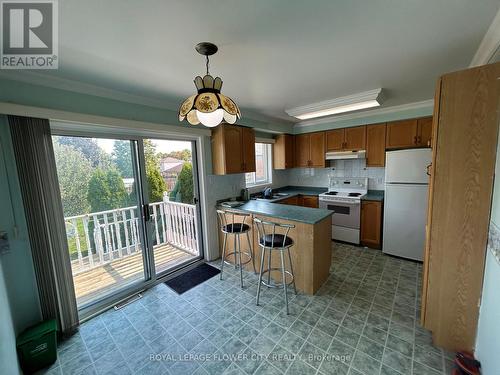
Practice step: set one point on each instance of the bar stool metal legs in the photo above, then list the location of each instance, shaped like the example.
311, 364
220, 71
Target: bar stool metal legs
284, 272
236, 229
291, 270
275, 242
237, 251
250, 247
262, 253
223, 255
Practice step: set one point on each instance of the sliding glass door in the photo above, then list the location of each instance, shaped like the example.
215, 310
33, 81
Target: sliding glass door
100, 193
173, 211
130, 212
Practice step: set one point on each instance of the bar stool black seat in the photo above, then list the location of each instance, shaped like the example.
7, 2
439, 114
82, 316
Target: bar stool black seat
236, 227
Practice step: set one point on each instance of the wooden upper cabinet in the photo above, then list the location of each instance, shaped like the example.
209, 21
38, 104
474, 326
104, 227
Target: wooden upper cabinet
233, 149
401, 134
310, 150
348, 139
371, 224
335, 140
317, 150
283, 152
233, 157
409, 133
424, 131
375, 145
248, 149
302, 150
355, 138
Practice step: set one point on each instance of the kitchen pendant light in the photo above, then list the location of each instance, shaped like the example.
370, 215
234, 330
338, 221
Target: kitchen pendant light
209, 107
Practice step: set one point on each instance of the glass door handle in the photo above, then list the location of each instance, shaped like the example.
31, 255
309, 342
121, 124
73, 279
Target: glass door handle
146, 213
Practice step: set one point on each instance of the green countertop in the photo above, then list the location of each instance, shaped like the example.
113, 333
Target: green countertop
286, 212
292, 191
374, 195
304, 190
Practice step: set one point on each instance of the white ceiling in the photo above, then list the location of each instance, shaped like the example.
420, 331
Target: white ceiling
273, 55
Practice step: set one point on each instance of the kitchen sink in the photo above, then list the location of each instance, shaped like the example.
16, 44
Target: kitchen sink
272, 197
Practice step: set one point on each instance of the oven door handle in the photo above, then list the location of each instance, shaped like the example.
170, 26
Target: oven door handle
354, 203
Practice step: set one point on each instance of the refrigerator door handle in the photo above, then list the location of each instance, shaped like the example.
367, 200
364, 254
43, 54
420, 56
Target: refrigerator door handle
428, 169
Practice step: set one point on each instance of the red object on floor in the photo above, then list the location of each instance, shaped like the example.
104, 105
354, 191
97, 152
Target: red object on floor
467, 364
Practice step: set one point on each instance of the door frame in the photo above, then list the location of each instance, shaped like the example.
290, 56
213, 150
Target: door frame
150, 278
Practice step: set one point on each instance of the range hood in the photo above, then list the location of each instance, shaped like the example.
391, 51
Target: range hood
338, 155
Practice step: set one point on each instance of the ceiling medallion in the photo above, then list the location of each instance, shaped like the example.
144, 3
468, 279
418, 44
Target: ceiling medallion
209, 106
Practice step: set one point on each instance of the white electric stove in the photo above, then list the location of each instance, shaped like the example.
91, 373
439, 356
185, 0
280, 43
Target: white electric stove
344, 198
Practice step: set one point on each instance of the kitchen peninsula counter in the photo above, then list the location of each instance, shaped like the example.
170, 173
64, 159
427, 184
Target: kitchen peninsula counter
312, 249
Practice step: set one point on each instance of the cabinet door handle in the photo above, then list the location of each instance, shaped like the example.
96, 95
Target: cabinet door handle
419, 139
415, 140
428, 169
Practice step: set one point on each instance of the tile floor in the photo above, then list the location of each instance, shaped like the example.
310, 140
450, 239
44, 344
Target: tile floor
364, 320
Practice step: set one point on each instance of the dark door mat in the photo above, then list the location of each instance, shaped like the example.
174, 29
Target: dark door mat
191, 278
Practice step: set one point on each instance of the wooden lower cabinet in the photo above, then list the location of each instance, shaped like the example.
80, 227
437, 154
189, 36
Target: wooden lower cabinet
309, 201
371, 224
301, 200
294, 201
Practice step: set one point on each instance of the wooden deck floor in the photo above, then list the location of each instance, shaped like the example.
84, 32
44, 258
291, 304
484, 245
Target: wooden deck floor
100, 281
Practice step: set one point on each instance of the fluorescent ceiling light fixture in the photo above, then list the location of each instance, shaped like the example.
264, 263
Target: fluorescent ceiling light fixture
363, 100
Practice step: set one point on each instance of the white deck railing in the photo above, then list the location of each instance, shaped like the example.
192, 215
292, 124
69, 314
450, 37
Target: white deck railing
99, 238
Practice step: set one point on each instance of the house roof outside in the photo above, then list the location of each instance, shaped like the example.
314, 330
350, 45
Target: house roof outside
171, 165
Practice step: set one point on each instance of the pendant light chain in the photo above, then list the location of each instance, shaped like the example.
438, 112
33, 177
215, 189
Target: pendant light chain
208, 63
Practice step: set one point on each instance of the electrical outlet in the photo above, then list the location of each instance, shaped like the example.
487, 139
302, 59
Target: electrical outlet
4, 242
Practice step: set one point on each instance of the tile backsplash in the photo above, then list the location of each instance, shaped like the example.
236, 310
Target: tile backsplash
337, 168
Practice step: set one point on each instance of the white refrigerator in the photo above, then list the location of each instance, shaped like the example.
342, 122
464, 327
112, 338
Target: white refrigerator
405, 202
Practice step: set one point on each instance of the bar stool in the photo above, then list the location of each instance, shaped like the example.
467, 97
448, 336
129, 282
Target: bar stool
271, 241
237, 227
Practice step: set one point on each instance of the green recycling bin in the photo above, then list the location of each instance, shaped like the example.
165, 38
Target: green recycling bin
37, 346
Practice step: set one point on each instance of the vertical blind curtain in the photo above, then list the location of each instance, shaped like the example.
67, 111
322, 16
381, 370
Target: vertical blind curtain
36, 167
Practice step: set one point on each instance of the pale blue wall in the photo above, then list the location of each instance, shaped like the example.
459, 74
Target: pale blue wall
488, 336
17, 264
63, 100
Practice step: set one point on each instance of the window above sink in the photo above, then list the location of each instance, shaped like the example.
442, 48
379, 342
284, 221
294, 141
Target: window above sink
263, 166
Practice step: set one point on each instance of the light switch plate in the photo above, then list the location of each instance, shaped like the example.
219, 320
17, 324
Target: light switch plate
4, 242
